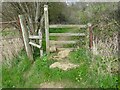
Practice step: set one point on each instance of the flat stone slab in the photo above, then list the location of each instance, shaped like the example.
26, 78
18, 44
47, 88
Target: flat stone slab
64, 65
62, 54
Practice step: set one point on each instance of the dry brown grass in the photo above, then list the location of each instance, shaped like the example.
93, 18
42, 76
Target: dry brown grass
11, 47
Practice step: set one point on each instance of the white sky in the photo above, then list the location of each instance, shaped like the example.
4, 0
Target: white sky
60, 0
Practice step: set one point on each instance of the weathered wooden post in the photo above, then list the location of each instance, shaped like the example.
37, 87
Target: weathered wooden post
40, 42
89, 36
25, 37
46, 28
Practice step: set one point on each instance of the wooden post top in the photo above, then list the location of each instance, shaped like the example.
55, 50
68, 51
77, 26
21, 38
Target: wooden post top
45, 7
89, 24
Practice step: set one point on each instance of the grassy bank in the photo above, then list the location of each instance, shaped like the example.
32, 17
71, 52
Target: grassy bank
92, 73
24, 74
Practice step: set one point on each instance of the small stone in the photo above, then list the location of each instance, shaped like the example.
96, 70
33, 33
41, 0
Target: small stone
53, 49
64, 53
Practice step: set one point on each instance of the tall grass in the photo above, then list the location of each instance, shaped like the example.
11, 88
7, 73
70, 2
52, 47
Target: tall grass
24, 74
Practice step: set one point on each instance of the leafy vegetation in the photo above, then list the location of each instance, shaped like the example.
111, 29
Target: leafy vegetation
24, 74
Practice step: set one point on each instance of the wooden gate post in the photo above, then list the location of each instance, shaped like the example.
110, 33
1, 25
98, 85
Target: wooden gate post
46, 28
90, 36
25, 37
40, 42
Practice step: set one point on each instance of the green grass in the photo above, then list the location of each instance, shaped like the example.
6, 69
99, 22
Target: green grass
24, 74
13, 75
59, 30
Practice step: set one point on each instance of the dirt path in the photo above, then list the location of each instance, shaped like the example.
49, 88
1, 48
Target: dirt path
59, 84
62, 62
52, 85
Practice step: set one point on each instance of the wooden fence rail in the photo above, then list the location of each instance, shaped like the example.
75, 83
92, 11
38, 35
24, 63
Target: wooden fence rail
67, 26
67, 34
63, 42
35, 45
34, 37
59, 49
